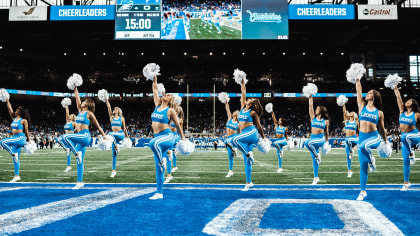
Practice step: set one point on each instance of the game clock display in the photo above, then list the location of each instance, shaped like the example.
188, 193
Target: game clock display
138, 19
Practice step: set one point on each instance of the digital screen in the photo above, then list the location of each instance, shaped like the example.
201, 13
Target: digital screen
137, 19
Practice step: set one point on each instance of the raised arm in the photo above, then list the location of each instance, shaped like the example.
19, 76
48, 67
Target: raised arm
108, 106
399, 100
124, 127
274, 119
93, 119
257, 123
311, 108
67, 113
25, 128
344, 112
174, 118
381, 126
156, 98
326, 130
229, 114
78, 101
360, 102
10, 109
243, 94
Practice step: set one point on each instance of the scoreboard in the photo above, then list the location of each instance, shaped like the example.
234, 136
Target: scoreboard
138, 19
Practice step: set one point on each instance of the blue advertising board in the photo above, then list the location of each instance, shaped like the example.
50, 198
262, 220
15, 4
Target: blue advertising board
97, 12
321, 12
265, 19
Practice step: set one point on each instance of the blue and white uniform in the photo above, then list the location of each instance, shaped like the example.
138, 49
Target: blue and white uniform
246, 140
351, 141
174, 157
160, 144
367, 142
232, 125
280, 143
408, 139
117, 138
15, 143
315, 142
78, 142
67, 127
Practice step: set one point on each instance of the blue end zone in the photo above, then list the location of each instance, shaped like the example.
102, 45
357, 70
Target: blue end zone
188, 209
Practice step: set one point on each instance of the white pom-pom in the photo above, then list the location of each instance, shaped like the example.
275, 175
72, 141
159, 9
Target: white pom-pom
224, 97
309, 90
75, 80
126, 143
185, 147
269, 107
355, 72
384, 149
392, 81
161, 89
151, 70
264, 145
4, 95
103, 95
30, 147
238, 76
105, 144
178, 100
66, 102
341, 100
326, 148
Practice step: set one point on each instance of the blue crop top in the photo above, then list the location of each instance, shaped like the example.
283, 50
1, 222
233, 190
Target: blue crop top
232, 125
280, 130
116, 122
17, 124
320, 124
69, 126
82, 118
245, 116
160, 116
408, 119
370, 116
351, 125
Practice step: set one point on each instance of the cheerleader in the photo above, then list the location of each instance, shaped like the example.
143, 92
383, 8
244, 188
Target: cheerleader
371, 120
319, 135
119, 132
410, 136
351, 127
69, 128
172, 153
231, 132
250, 126
77, 142
282, 138
13, 145
164, 138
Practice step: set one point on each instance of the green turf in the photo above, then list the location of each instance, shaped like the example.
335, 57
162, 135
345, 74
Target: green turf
198, 31
137, 166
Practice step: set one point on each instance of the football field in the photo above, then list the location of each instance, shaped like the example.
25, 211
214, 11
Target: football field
199, 30
201, 201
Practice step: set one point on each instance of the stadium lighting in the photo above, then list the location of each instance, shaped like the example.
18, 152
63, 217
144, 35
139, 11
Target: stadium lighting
21, 50
103, 53
321, 53
263, 53
304, 53
163, 54
84, 54
65, 54
142, 53
243, 54
284, 53
211, 54
224, 54
185, 53
122, 54
1, 47
342, 54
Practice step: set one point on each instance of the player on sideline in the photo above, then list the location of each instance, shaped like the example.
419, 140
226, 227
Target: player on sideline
410, 136
187, 19
78, 142
231, 132
250, 126
172, 153
371, 120
320, 122
351, 127
119, 132
164, 138
69, 128
13, 145
218, 21
281, 135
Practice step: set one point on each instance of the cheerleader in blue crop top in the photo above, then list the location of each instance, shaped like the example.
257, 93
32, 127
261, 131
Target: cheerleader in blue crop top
250, 126
281, 135
77, 142
319, 135
164, 137
350, 128
13, 145
171, 153
69, 128
119, 132
410, 136
371, 121
231, 132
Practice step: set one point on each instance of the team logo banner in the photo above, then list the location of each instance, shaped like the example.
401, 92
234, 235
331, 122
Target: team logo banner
265, 19
377, 12
321, 12
28, 13
82, 12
